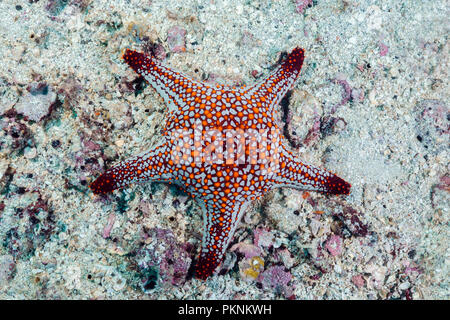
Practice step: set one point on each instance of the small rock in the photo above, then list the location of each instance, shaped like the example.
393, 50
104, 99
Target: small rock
30, 153
404, 285
334, 245
378, 274
263, 237
358, 95
394, 72
373, 97
176, 39
119, 142
107, 230
256, 74
337, 268
56, 144
315, 226
36, 104
7, 266
3, 167
286, 257
251, 268
119, 283
358, 281
249, 250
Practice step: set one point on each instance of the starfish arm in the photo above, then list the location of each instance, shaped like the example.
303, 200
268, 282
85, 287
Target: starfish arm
175, 88
296, 174
219, 225
281, 80
150, 165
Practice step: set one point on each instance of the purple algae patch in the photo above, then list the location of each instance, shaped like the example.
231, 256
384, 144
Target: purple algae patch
276, 278
301, 5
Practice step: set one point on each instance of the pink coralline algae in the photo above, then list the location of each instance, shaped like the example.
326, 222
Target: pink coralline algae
90, 145
256, 74
334, 245
384, 49
358, 281
301, 5
176, 39
162, 260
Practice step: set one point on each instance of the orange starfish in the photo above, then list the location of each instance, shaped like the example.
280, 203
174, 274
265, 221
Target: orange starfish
223, 146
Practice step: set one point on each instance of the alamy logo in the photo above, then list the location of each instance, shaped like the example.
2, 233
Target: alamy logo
226, 147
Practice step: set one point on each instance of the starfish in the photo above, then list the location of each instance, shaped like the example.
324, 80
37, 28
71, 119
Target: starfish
223, 146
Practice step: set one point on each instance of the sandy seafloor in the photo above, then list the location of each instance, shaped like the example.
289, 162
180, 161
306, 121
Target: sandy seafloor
371, 105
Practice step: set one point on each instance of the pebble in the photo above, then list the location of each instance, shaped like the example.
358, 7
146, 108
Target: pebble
119, 143
404, 285
334, 245
30, 153
316, 228
394, 72
36, 104
176, 39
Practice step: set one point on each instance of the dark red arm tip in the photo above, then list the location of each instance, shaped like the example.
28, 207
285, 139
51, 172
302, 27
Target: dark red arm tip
136, 60
294, 60
103, 184
336, 185
206, 266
